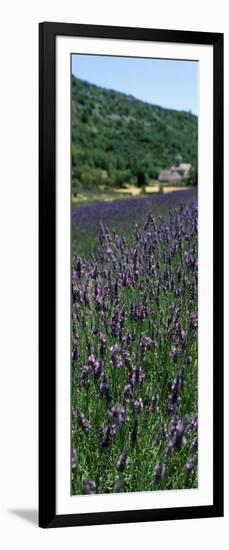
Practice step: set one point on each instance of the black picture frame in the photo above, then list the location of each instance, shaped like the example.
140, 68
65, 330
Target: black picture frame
47, 274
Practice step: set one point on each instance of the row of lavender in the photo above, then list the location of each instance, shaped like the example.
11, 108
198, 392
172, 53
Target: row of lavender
134, 369
88, 218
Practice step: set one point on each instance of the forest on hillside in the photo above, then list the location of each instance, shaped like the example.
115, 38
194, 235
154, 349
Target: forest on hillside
118, 139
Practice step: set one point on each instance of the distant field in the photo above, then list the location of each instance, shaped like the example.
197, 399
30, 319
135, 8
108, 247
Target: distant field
88, 197
104, 194
119, 214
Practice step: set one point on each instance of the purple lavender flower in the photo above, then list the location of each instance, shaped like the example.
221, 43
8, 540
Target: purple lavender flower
170, 446
146, 342
136, 376
89, 488
159, 472
99, 303
127, 394
91, 359
174, 396
189, 468
115, 356
83, 422
98, 368
178, 435
108, 432
74, 459
194, 444
181, 335
127, 359
174, 352
84, 375
118, 414
138, 405
194, 322
105, 391
122, 462
194, 422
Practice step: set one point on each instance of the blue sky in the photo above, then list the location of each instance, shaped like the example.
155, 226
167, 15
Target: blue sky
168, 83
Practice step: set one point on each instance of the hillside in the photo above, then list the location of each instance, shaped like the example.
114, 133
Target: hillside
117, 138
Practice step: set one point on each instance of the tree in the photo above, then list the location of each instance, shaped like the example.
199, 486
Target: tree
141, 178
193, 177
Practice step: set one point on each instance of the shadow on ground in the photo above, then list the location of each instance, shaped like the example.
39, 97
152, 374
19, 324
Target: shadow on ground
30, 515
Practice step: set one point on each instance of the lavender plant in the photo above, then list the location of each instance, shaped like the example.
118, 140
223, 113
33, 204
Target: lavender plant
134, 355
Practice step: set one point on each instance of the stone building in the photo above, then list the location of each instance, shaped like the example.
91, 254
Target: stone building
178, 174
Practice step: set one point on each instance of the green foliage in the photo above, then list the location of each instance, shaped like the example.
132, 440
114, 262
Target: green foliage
141, 179
193, 178
124, 136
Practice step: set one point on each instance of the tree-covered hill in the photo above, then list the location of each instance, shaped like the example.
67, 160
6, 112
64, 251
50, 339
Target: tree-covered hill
117, 138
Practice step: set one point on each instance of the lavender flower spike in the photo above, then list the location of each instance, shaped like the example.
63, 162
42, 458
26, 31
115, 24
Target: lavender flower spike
122, 462
138, 405
159, 471
74, 459
89, 488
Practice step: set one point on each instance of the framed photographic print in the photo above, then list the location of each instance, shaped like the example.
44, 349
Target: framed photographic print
131, 275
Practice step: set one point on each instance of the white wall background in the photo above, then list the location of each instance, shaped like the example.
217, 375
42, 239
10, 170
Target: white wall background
18, 270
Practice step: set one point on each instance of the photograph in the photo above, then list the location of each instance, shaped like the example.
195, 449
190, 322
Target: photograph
134, 274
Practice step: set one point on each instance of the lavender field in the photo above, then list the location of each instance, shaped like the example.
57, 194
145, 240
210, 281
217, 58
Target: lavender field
122, 215
134, 345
